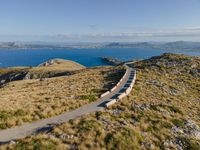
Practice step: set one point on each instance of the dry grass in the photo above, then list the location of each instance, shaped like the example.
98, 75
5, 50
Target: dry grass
51, 68
58, 65
28, 100
12, 69
159, 101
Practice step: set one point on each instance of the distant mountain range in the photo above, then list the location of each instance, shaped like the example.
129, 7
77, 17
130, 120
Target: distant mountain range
21, 45
178, 45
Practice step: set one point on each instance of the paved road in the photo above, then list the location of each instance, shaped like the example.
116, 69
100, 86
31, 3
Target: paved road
46, 124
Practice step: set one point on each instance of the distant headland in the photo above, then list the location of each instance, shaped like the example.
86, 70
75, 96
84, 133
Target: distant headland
177, 45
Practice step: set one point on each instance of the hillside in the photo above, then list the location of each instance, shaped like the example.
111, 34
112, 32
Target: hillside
177, 45
162, 112
60, 64
51, 68
31, 99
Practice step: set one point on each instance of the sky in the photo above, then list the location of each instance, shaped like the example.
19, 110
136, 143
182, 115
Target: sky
99, 20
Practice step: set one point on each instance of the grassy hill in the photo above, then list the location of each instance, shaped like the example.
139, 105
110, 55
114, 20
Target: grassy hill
26, 100
51, 68
60, 65
50, 65
161, 112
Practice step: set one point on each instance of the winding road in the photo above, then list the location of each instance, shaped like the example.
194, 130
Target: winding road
47, 124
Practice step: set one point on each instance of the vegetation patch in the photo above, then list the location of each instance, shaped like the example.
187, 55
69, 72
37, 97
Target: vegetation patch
37, 144
87, 125
178, 122
91, 98
35, 99
123, 139
189, 143
166, 94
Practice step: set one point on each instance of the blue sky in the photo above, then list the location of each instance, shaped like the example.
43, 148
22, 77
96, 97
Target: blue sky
99, 20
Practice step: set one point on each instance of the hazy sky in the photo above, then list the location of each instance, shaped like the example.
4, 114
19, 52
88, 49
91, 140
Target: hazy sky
99, 20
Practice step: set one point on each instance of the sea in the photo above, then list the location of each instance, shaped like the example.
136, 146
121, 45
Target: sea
87, 57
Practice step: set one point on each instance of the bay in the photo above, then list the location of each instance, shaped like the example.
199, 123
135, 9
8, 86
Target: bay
86, 57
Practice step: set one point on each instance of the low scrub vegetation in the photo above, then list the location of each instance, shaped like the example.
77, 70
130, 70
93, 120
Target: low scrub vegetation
34, 99
161, 112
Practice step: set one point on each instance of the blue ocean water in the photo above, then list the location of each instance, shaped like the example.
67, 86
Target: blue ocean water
86, 57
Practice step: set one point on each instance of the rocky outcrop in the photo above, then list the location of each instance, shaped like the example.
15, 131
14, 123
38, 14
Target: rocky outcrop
48, 63
11, 76
62, 63
111, 61
49, 69
37, 75
24, 75
190, 130
173, 63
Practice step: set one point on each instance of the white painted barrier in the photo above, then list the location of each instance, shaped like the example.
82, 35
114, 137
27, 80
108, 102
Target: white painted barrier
128, 90
118, 84
110, 103
132, 81
113, 88
102, 95
119, 81
125, 73
131, 85
135, 74
122, 95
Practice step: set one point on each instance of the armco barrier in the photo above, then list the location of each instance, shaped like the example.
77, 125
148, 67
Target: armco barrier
104, 94
110, 103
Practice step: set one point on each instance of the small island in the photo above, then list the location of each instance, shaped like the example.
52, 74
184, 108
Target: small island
111, 61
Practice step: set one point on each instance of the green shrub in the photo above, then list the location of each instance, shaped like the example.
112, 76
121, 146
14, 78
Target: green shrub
88, 97
38, 144
3, 126
123, 139
178, 122
20, 112
167, 125
175, 109
87, 125
99, 90
4, 115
